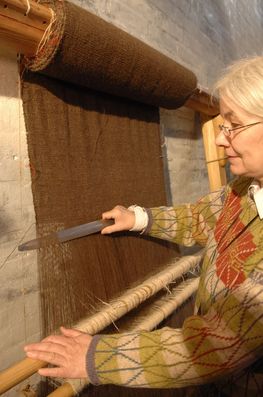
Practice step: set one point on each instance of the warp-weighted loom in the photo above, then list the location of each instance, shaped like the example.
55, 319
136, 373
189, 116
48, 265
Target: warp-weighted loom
32, 28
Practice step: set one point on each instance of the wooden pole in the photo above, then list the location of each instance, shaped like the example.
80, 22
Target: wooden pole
23, 24
214, 156
208, 107
18, 372
65, 390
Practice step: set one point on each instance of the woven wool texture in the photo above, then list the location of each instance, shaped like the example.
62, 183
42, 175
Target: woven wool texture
84, 152
88, 51
91, 146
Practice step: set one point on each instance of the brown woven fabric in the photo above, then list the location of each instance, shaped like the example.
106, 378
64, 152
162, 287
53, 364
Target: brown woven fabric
90, 151
91, 52
87, 153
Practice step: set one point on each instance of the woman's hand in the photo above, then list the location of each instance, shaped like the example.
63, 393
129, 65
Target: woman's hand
67, 352
124, 219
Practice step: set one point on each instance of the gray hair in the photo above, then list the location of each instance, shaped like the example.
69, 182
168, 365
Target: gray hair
242, 83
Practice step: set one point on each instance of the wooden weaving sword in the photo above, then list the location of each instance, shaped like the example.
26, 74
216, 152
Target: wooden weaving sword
66, 235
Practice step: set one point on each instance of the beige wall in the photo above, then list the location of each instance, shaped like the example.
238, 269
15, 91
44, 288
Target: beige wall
203, 35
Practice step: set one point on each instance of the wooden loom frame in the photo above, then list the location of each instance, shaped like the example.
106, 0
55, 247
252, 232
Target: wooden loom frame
22, 26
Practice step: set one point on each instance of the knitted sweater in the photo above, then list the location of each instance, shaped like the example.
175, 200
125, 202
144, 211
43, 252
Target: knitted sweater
225, 335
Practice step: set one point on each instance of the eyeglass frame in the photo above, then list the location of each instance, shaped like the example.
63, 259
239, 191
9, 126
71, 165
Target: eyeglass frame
227, 130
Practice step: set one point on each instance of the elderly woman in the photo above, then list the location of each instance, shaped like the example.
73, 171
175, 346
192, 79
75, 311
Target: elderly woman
223, 341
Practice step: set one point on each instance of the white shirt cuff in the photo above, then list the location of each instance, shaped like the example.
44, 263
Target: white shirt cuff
141, 218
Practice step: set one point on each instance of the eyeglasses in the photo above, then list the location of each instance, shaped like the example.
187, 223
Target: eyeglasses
227, 131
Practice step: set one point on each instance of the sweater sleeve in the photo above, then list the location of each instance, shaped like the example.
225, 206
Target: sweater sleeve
186, 224
228, 337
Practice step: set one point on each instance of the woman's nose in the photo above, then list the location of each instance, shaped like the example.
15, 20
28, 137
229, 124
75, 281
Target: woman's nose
222, 140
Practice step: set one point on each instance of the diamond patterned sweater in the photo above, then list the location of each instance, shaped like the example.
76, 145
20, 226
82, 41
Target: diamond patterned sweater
225, 335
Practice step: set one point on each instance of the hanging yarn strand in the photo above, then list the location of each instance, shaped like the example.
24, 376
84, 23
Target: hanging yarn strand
46, 36
28, 7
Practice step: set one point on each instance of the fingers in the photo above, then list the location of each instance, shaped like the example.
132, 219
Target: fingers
57, 339
67, 352
61, 372
52, 349
55, 372
57, 343
49, 357
124, 219
110, 229
46, 347
115, 213
111, 214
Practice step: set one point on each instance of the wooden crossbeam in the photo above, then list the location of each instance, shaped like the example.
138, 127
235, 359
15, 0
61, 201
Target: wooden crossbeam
22, 25
201, 101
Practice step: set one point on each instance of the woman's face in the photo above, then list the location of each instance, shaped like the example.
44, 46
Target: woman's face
244, 148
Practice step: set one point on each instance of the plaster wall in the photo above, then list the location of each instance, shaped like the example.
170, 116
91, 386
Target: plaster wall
203, 35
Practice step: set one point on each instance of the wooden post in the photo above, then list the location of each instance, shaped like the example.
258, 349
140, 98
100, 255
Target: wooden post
201, 102
215, 157
21, 26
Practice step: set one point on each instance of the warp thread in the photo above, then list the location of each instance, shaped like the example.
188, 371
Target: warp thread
47, 34
48, 45
28, 8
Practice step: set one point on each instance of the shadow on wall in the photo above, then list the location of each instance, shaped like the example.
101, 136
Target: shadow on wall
9, 77
5, 223
182, 150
